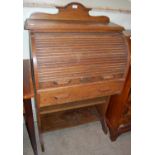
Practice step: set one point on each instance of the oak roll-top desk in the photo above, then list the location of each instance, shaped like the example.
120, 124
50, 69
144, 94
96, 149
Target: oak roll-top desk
77, 60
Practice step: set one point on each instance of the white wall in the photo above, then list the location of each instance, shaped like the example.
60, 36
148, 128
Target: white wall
96, 4
26, 14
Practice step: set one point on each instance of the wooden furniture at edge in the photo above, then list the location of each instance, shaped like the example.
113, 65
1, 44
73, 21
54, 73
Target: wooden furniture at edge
28, 93
118, 115
77, 60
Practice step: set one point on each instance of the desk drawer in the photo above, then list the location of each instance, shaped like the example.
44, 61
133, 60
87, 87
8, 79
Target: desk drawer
79, 92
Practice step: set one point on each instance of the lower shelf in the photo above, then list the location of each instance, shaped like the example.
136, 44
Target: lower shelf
68, 118
73, 105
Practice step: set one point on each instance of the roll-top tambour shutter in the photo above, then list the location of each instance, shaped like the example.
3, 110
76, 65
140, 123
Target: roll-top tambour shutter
65, 58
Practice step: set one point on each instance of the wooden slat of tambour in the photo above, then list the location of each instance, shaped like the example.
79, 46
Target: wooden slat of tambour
84, 47
78, 60
59, 64
73, 51
74, 44
46, 71
79, 56
75, 81
80, 72
61, 82
65, 80
81, 79
53, 63
52, 75
75, 54
68, 41
75, 74
79, 69
78, 75
72, 105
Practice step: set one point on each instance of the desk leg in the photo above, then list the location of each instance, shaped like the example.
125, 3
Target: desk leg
30, 123
102, 109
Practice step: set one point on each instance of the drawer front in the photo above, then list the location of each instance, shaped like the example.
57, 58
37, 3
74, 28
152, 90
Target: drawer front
78, 92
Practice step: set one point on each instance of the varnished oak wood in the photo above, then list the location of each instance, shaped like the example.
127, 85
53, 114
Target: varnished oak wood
73, 93
69, 118
28, 115
72, 11
75, 58
37, 25
118, 115
102, 109
73, 105
28, 93
75, 61
70, 19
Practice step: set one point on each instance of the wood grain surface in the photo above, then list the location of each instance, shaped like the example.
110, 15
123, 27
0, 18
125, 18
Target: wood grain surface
28, 91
